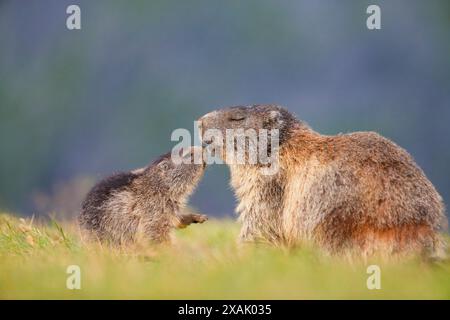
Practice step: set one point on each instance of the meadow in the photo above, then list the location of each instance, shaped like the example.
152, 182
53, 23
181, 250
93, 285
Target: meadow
205, 262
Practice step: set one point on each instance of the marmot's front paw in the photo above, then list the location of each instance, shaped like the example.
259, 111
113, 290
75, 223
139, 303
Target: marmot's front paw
199, 218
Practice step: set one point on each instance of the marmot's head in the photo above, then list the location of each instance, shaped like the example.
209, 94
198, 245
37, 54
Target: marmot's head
256, 117
174, 178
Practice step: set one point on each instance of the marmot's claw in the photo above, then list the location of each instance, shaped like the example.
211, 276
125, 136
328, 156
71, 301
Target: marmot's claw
199, 218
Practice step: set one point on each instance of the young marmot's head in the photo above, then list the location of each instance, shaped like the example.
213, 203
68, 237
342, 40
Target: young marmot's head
256, 118
176, 178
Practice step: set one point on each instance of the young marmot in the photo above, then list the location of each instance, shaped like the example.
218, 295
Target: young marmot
142, 204
356, 192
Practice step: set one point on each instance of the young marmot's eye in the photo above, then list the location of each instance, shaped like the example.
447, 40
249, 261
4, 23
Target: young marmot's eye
164, 165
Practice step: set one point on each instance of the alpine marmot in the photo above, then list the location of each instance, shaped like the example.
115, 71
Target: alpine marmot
143, 204
350, 193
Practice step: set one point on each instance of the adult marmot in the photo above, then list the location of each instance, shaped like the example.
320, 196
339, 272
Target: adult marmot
142, 204
356, 192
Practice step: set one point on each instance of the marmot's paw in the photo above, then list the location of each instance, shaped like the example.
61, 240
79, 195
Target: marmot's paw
199, 218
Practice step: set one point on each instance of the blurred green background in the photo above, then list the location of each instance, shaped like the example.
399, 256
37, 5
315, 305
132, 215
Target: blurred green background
78, 105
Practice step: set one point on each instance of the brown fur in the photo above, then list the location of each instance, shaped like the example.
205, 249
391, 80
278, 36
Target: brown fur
356, 192
145, 204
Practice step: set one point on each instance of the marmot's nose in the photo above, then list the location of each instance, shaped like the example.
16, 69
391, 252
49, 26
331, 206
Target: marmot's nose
206, 143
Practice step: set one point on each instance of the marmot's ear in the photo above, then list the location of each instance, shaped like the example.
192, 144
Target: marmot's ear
273, 119
275, 114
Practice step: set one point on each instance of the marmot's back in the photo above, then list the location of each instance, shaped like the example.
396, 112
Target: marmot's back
94, 208
388, 173
380, 200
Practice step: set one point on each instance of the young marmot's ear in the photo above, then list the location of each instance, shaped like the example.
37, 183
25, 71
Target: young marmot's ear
273, 120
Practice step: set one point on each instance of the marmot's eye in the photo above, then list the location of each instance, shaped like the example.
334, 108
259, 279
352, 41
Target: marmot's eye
236, 117
164, 165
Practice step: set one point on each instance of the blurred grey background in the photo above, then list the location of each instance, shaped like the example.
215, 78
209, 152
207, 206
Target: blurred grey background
78, 105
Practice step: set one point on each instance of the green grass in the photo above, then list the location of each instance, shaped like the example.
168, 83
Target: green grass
205, 262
